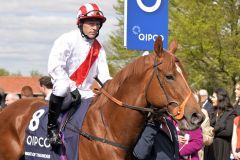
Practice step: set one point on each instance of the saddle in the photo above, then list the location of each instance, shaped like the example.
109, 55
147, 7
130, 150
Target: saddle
36, 143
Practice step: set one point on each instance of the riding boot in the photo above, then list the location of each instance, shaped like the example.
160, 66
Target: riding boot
55, 104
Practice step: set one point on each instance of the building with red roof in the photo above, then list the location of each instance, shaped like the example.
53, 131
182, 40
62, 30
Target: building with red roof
15, 83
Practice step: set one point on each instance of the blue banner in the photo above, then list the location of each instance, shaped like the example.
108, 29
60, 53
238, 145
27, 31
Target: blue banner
144, 21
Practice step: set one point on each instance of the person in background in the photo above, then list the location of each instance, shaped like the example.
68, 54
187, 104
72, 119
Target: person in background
2, 98
190, 143
236, 138
75, 60
26, 92
10, 98
207, 130
158, 141
237, 95
222, 122
204, 100
46, 86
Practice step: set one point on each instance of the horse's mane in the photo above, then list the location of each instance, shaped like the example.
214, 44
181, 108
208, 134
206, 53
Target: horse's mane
135, 68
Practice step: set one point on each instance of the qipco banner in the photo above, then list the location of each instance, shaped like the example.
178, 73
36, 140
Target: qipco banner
144, 20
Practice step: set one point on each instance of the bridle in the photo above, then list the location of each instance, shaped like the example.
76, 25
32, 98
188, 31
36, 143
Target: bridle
178, 112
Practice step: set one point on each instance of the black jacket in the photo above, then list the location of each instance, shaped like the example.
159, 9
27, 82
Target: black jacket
155, 144
221, 146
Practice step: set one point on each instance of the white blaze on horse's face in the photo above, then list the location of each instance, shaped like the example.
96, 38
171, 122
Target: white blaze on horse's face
178, 69
181, 73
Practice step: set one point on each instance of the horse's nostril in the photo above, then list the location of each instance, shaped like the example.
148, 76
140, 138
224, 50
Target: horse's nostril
197, 119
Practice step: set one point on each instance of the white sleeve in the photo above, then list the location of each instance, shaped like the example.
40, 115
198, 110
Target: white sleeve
57, 66
103, 71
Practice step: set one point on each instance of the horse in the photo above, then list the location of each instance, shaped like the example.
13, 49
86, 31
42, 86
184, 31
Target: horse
118, 112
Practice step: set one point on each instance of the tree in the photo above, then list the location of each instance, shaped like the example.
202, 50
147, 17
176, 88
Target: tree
4, 72
208, 34
120, 55
35, 73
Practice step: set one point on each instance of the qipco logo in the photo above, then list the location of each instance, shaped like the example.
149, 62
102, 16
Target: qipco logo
151, 8
144, 36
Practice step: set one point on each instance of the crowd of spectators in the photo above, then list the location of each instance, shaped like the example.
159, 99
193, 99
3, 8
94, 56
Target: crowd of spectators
218, 138
221, 127
45, 87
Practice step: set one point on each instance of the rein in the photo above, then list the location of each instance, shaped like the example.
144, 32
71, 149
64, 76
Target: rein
120, 103
99, 139
179, 111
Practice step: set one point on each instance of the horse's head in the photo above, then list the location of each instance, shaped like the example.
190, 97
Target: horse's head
168, 88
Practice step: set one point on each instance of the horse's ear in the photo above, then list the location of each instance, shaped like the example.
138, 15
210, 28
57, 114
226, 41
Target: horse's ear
173, 46
158, 46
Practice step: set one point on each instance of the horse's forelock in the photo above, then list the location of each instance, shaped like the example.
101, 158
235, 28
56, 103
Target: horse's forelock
169, 61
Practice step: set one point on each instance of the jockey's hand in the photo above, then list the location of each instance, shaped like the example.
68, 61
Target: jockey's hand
76, 98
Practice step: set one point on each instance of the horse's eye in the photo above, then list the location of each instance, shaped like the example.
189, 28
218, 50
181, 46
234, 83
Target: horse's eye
170, 77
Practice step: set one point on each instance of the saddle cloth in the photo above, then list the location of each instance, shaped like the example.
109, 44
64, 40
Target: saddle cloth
37, 146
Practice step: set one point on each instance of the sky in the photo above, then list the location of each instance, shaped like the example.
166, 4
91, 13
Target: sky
29, 28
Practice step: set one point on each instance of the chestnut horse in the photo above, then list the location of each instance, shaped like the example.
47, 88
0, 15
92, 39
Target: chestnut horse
116, 115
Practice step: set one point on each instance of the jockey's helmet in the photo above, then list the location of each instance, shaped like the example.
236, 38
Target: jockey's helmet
90, 11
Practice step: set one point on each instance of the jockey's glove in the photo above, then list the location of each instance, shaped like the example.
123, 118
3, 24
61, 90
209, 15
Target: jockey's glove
76, 98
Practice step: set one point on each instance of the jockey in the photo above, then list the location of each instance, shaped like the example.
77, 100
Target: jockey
75, 59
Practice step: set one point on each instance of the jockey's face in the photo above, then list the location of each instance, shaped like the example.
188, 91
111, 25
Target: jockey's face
91, 28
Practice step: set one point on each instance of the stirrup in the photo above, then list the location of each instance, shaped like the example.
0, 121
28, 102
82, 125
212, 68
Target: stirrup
54, 138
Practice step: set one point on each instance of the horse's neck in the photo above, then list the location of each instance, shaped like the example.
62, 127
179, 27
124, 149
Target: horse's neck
125, 123
111, 121
116, 122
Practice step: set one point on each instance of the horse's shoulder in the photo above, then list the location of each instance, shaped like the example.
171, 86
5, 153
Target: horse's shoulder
32, 102
24, 106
